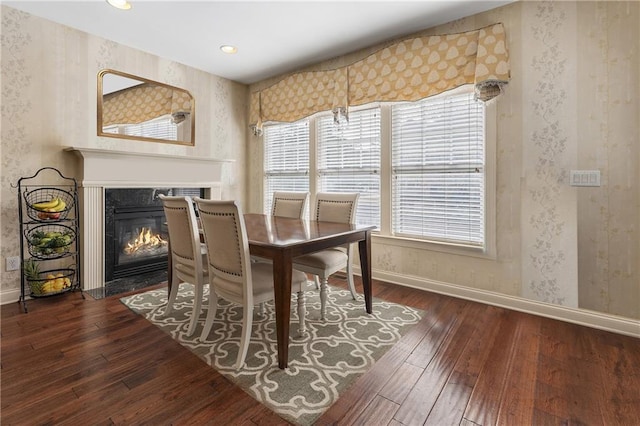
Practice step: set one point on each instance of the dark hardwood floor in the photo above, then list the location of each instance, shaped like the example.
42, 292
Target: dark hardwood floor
79, 362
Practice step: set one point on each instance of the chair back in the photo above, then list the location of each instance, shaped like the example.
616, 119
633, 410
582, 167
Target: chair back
336, 207
183, 234
225, 236
289, 204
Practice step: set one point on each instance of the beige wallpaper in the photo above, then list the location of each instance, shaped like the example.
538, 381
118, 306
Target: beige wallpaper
549, 204
49, 89
573, 102
608, 92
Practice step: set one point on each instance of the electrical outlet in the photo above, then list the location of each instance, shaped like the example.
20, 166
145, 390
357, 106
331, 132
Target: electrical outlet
13, 263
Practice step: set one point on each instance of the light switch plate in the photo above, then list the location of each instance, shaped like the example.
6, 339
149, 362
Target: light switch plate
585, 178
13, 263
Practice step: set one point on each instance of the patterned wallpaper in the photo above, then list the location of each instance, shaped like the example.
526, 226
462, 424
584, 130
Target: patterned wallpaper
573, 102
549, 270
609, 140
49, 102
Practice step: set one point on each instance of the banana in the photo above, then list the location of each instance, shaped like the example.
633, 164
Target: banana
47, 204
60, 206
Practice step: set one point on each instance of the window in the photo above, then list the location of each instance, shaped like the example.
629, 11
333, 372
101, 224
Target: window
426, 161
438, 169
349, 160
286, 159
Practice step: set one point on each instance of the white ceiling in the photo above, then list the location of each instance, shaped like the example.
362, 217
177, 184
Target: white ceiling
272, 37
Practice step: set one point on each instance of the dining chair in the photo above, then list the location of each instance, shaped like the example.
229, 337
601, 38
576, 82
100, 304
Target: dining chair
331, 207
232, 275
289, 204
285, 204
188, 254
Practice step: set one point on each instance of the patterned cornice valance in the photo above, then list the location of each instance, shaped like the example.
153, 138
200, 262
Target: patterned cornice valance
143, 103
409, 70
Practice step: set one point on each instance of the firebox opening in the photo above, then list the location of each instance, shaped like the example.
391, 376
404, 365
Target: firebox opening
136, 238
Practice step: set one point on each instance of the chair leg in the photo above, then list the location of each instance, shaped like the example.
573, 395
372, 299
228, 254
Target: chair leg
211, 314
302, 329
316, 279
197, 308
324, 289
175, 284
247, 323
263, 310
352, 287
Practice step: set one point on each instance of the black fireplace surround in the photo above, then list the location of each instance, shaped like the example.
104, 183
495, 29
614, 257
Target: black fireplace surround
135, 231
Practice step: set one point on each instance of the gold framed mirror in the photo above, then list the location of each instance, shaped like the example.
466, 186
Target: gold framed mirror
132, 107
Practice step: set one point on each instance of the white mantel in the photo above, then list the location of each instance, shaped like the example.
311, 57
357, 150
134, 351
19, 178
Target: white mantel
103, 169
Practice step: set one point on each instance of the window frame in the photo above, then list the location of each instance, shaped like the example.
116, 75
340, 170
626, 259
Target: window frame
267, 199
371, 113
384, 235
434, 157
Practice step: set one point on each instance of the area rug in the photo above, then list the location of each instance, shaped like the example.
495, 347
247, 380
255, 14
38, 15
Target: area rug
322, 363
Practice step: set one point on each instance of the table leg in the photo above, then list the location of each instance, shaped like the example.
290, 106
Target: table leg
364, 247
282, 271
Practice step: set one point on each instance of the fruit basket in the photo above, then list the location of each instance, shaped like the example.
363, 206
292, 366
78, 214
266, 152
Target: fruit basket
50, 241
48, 204
48, 283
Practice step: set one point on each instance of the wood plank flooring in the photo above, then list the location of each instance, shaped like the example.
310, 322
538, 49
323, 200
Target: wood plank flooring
71, 361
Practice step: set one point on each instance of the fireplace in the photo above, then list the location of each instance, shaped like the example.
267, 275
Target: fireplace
103, 170
136, 239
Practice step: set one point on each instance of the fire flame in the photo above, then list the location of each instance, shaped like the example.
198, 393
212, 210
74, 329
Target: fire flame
145, 241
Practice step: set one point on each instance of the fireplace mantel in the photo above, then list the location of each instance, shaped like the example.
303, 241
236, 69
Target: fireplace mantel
103, 169
136, 169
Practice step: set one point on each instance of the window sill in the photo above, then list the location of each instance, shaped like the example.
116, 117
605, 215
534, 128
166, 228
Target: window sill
459, 250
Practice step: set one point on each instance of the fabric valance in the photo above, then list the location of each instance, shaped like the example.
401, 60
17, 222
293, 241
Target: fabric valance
409, 70
142, 103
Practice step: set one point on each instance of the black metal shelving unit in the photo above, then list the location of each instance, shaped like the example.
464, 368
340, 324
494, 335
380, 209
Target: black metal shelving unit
49, 232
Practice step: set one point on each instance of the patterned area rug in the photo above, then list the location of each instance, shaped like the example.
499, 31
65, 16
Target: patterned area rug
322, 363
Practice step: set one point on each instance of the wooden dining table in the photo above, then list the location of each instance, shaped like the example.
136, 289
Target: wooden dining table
283, 239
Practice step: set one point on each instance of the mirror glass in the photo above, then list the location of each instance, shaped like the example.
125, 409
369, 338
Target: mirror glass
131, 107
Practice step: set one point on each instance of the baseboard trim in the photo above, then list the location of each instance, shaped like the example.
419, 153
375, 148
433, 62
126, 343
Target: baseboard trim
601, 321
9, 296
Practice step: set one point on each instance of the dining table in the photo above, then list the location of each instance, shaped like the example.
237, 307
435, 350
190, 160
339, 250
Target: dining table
283, 239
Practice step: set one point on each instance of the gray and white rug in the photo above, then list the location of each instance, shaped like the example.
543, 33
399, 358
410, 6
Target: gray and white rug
322, 363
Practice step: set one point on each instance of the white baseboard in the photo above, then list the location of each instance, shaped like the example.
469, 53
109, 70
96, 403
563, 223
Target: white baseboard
602, 321
9, 296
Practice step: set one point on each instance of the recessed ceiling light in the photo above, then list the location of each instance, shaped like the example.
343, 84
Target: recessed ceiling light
120, 4
228, 49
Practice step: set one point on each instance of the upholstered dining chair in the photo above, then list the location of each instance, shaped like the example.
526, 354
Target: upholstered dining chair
188, 254
232, 275
285, 204
289, 204
331, 207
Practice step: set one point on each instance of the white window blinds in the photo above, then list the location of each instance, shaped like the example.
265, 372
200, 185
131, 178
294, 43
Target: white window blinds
160, 128
286, 159
439, 169
349, 160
